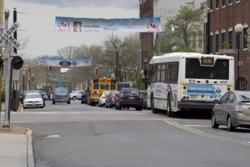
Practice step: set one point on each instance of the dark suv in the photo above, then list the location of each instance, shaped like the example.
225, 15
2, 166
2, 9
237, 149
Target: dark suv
129, 97
60, 95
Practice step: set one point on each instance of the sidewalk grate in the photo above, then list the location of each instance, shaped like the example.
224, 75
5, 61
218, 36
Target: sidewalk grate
38, 137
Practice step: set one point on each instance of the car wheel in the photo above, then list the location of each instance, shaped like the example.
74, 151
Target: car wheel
213, 122
82, 102
24, 107
53, 102
119, 107
230, 126
68, 102
169, 109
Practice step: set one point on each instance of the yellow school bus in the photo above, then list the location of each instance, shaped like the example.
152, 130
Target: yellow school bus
97, 87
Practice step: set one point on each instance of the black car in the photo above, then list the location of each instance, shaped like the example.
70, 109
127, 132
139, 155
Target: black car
60, 94
84, 97
129, 97
110, 100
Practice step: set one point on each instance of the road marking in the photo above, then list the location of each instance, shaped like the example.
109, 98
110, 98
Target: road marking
196, 125
52, 136
199, 132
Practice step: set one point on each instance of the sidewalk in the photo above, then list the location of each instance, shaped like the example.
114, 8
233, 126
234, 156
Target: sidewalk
16, 148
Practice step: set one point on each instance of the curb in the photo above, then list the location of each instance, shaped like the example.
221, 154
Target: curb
30, 156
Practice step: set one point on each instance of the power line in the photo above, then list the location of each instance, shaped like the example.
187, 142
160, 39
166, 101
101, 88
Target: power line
40, 14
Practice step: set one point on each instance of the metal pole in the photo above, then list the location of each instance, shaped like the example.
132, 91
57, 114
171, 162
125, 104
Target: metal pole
1, 51
116, 70
208, 32
7, 68
238, 75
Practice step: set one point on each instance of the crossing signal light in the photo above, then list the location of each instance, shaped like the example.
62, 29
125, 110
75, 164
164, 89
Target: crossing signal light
17, 63
96, 70
1, 63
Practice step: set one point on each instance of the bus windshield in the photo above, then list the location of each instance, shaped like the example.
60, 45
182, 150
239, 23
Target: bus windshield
219, 71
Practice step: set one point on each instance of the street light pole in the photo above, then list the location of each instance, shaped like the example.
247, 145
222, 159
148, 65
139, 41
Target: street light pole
238, 29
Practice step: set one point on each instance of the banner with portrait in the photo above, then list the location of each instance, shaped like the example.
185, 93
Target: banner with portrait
107, 25
57, 62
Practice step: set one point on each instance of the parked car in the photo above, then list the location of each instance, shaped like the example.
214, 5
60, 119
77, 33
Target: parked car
73, 95
233, 110
102, 98
144, 98
60, 95
79, 94
129, 97
35, 91
84, 97
33, 100
111, 98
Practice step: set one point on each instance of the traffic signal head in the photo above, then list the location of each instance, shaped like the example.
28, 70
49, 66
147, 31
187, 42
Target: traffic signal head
49, 68
96, 70
17, 63
1, 63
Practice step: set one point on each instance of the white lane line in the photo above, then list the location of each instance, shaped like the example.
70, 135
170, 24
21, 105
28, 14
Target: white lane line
197, 125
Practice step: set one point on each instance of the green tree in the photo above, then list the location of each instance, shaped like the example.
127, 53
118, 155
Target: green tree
226, 45
180, 30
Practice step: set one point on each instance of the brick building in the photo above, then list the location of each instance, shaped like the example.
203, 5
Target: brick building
158, 8
225, 14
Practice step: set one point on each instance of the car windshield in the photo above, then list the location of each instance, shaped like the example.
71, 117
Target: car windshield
33, 96
61, 90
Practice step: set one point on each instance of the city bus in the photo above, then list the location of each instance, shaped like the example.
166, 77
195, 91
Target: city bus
183, 81
97, 87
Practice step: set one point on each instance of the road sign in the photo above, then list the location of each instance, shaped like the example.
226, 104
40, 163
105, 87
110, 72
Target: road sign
107, 70
7, 35
223, 51
60, 80
112, 75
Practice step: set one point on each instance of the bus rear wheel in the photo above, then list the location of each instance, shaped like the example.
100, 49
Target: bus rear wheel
169, 109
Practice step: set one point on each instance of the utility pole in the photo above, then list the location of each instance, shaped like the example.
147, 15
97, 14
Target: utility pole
1, 52
7, 68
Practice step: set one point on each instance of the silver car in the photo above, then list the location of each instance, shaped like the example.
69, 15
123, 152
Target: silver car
233, 110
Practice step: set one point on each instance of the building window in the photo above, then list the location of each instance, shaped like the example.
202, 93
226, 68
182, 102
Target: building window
217, 42
230, 1
238, 42
211, 44
223, 38
237, 0
230, 39
211, 4
242, 83
217, 3
224, 2
245, 36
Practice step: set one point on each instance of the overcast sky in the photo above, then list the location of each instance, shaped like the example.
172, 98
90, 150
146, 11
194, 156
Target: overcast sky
37, 19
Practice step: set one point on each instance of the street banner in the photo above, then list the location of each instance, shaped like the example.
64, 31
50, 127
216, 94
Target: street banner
107, 25
57, 62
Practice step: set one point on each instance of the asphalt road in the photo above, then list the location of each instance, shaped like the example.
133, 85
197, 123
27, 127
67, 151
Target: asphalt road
78, 135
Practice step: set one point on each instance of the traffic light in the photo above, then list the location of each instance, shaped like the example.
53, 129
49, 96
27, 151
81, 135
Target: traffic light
49, 68
96, 70
1, 63
24, 71
17, 63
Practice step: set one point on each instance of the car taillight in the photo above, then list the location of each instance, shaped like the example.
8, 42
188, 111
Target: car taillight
238, 108
95, 92
103, 97
83, 93
141, 97
121, 96
113, 97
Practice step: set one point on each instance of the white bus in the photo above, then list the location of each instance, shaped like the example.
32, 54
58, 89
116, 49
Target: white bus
179, 81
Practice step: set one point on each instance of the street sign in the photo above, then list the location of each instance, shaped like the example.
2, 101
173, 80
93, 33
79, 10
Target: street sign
60, 80
223, 51
7, 35
112, 75
107, 70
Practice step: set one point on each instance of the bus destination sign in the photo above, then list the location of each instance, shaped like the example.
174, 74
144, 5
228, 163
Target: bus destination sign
207, 61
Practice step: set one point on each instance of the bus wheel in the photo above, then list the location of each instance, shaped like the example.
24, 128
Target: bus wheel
152, 106
169, 110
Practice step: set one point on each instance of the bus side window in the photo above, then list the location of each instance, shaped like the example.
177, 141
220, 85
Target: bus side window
158, 77
174, 72
163, 73
167, 73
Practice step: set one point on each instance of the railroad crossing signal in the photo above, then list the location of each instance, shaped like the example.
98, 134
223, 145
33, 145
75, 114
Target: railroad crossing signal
7, 35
